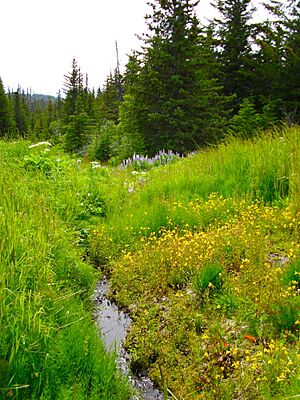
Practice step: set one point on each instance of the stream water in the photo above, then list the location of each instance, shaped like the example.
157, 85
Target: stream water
113, 324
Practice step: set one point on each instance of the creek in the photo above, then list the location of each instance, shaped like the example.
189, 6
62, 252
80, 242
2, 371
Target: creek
113, 324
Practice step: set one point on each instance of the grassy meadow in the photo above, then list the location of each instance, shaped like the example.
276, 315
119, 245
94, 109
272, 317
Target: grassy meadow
204, 253
49, 346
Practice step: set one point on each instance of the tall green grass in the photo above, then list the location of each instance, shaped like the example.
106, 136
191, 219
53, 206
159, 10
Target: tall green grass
49, 346
263, 169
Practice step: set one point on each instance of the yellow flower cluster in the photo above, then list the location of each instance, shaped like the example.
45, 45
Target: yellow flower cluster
204, 335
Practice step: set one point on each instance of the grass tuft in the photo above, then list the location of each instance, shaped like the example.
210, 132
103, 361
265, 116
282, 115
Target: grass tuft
209, 279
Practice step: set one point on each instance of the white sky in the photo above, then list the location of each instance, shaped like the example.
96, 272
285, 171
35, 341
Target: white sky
39, 39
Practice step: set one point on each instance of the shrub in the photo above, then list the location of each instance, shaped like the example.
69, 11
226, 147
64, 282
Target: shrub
228, 302
76, 132
248, 122
92, 204
104, 144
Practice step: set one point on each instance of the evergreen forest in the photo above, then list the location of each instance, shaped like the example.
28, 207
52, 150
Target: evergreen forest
187, 87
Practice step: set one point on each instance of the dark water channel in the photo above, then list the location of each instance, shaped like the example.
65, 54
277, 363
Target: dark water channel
113, 324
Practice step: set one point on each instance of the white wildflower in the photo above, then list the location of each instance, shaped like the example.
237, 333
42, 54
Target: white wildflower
131, 188
39, 144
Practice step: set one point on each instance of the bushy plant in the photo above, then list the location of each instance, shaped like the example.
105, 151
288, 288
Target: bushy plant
228, 302
92, 204
248, 122
76, 132
41, 157
38, 162
105, 143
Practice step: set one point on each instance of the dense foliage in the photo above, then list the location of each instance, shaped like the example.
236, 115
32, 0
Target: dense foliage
49, 345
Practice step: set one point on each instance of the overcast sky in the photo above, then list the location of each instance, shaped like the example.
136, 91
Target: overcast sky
39, 39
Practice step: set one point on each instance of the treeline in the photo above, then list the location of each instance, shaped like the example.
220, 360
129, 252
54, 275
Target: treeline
187, 87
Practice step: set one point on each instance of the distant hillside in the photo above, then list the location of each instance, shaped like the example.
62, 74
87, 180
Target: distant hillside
39, 101
44, 97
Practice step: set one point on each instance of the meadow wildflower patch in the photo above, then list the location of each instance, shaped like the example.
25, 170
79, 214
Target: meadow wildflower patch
204, 255
144, 162
212, 311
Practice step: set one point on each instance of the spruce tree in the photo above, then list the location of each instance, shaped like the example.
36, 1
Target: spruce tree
73, 88
268, 66
6, 120
233, 30
20, 112
110, 98
76, 132
171, 99
77, 121
273, 75
278, 60
291, 70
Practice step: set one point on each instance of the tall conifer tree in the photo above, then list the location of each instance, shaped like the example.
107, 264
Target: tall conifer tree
268, 65
73, 88
278, 60
172, 100
291, 70
6, 120
20, 111
110, 98
234, 30
75, 110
